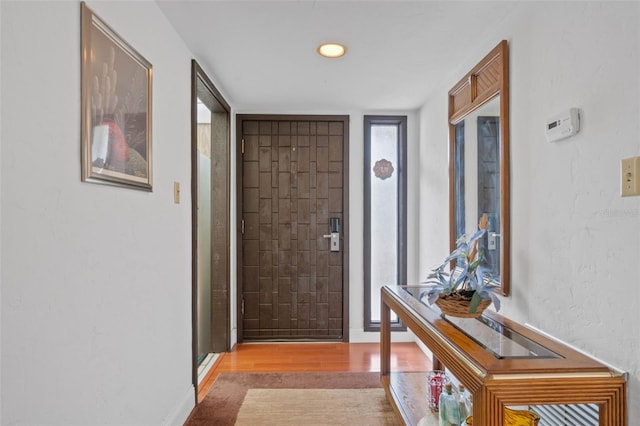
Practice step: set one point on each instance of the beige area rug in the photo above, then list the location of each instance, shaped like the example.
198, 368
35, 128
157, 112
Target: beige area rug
227, 396
316, 407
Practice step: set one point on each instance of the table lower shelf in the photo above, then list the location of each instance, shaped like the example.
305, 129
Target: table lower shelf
408, 395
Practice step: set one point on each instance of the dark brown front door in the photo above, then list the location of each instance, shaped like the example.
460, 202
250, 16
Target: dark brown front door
292, 178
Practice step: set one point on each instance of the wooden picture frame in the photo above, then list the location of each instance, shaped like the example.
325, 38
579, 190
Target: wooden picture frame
116, 108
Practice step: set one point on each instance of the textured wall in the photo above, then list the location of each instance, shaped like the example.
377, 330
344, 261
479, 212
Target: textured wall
575, 241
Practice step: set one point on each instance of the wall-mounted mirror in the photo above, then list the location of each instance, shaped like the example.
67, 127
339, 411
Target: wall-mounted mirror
210, 176
479, 159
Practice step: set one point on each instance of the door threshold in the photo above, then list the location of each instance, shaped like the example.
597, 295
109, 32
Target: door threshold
206, 365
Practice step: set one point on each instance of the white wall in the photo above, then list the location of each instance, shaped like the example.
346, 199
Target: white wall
575, 241
95, 306
96, 280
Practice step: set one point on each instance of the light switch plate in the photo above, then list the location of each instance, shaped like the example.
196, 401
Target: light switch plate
630, 177
176, 192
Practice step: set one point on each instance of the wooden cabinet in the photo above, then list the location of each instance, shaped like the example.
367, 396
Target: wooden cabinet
499, 361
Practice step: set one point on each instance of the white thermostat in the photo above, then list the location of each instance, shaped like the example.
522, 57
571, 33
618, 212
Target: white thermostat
563, 125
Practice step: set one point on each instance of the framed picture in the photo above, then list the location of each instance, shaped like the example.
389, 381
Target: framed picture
116, 108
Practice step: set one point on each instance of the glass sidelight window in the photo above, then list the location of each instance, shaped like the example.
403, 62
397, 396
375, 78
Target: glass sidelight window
385, 201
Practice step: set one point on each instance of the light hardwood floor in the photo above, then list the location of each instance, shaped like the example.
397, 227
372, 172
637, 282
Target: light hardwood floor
291, 357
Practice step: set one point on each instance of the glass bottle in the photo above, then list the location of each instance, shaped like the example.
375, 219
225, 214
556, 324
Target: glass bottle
464, 401
435, 383
448, 407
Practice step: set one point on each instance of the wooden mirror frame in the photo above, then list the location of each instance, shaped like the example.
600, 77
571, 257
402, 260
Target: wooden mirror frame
488, 79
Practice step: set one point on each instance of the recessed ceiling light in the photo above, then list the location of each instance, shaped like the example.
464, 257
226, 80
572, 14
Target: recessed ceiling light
332, 50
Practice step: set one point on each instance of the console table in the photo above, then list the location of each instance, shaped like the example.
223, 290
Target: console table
499, 361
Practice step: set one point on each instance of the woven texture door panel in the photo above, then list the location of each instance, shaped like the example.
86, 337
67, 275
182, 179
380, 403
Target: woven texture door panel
292, 184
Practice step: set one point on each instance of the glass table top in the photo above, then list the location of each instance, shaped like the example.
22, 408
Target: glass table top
497, 338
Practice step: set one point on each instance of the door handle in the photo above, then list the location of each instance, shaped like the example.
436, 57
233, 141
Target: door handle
334, 243
492, 243
334, 236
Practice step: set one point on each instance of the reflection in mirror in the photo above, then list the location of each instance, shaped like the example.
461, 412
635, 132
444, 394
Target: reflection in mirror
203, 184
477, 165
479, 160
210, 177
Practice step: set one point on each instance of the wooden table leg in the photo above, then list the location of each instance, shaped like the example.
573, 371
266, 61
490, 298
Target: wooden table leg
385, 340
437, 365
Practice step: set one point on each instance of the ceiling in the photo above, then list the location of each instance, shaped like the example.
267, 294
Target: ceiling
262, 54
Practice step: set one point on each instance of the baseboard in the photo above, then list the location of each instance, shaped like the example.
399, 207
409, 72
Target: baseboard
234, 337
183, 409
361, 336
